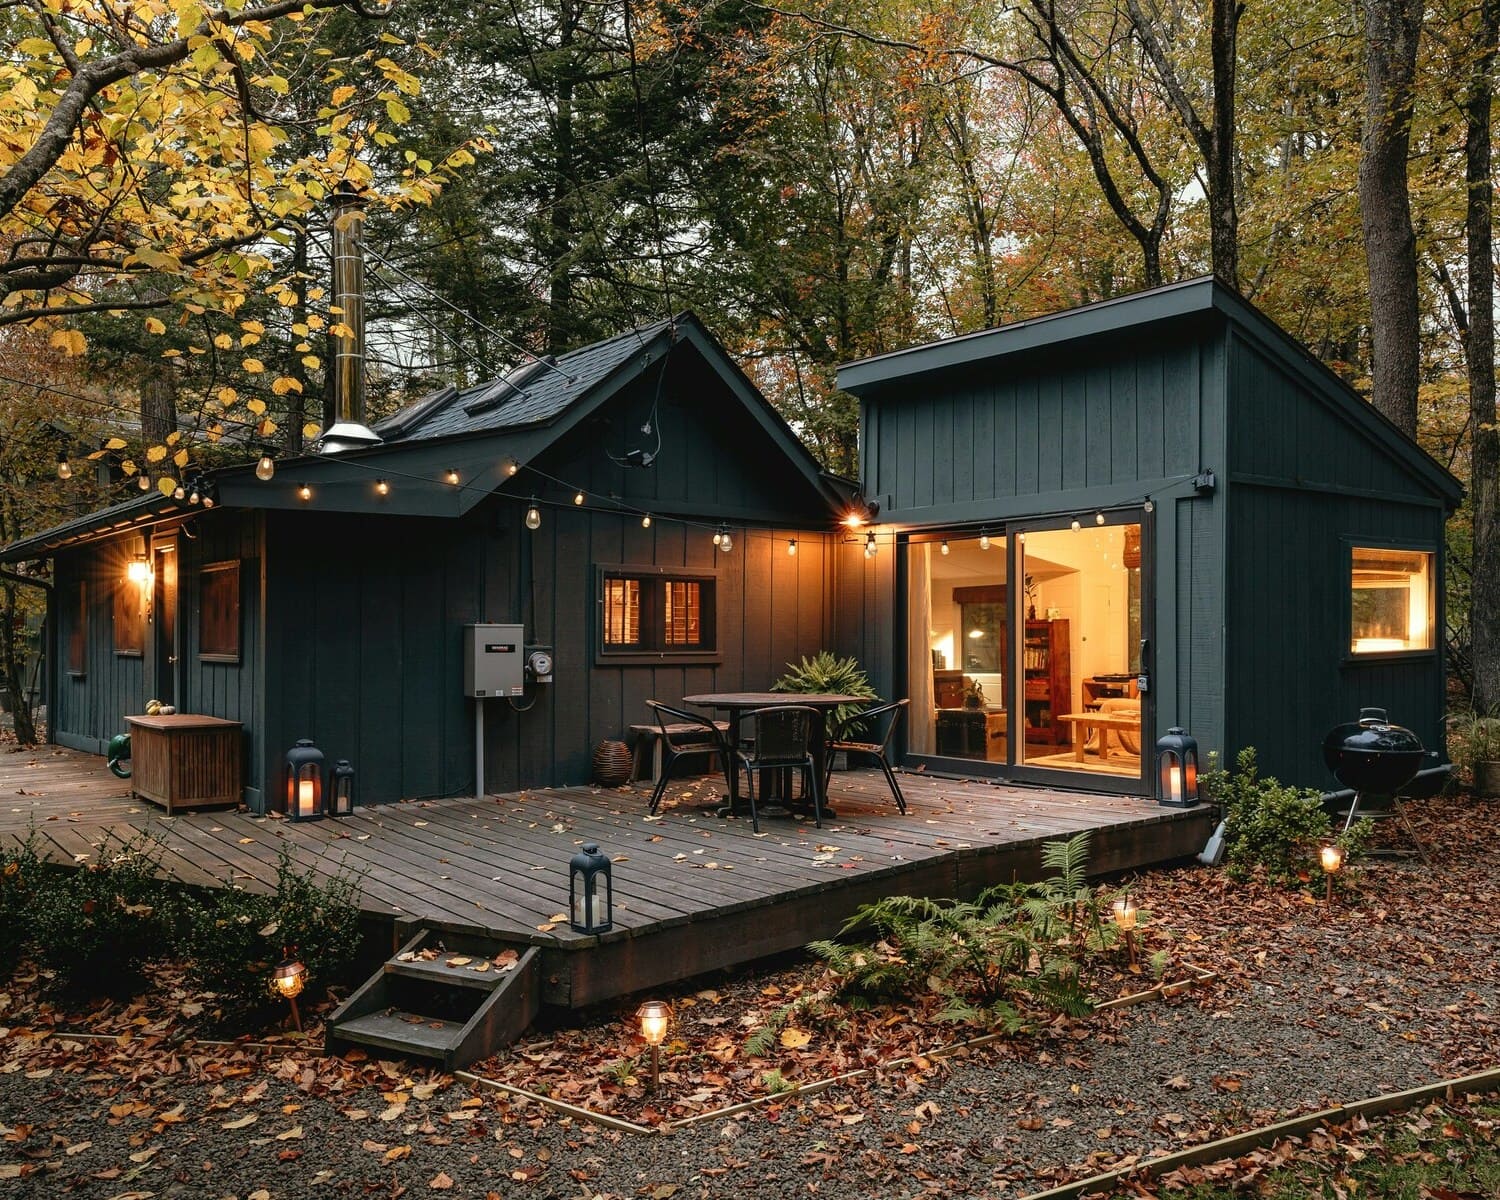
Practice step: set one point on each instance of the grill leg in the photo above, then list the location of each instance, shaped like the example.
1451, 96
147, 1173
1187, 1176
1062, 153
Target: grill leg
1353, 812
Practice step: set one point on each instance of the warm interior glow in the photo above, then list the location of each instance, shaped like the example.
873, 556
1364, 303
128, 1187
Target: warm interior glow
1125, 913
307, 796
1332, 858
1391, 600
654, 1017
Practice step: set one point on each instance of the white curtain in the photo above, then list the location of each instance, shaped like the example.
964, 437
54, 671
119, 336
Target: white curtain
919, 648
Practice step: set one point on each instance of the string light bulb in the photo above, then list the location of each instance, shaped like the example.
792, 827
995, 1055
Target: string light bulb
944, 547
304, 492
984, 541
209, 499
870, 546
1150, 504
382, 488
511, 466
791, 547
1076, 524
718, 536
452, 476
266, 467
194, 495
578, 498
179, 492
143, 481
64, 467
1099, 518
533, 514
645, 520
723, 540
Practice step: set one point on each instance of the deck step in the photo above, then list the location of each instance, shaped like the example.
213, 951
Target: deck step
428, 1002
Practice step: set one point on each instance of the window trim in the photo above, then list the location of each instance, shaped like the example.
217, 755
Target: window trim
651, 652
1350, 658
76, 658
230, 569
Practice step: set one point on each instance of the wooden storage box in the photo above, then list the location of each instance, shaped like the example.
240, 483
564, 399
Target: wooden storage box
185, 761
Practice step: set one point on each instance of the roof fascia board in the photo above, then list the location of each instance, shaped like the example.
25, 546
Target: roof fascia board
1286, 352
1090, 320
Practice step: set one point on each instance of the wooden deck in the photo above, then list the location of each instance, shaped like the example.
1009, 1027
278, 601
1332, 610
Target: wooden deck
693, 892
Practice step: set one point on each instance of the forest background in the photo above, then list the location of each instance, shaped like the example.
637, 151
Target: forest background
819, 181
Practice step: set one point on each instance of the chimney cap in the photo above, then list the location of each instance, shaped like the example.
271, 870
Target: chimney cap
348, 435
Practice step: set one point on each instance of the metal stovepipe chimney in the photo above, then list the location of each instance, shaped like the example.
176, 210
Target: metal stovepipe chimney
348, 431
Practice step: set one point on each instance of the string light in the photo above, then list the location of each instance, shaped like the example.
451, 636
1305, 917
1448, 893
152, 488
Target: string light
511, 467
645, 520
64, 467
382, 488
194, 495
870, 546
718, 536
1076, 524
984, 540
143, 481
304, 492
944, 546
452, 476
723, 541
533, 514
179, 492
1099, 518
578, 498
1150, 504
791, 547
266, 467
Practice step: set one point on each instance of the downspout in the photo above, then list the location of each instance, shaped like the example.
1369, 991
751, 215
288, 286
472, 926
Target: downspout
48, 642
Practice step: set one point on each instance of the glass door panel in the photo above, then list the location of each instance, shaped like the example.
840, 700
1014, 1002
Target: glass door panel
959, 621
1079, 635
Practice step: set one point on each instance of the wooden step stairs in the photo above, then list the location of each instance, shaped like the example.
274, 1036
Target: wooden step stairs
443, 996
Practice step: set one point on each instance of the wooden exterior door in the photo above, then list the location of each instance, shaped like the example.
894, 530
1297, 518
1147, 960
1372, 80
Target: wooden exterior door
163, 653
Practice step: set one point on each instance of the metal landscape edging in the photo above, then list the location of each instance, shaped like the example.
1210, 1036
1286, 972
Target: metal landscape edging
1255, 1139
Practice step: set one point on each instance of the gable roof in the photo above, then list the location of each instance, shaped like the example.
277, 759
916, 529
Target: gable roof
1199, 298
474, 430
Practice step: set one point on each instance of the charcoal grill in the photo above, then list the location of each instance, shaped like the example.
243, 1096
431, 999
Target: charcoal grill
1373, 757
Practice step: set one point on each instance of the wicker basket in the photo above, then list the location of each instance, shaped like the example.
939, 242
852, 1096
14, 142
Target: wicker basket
612, 764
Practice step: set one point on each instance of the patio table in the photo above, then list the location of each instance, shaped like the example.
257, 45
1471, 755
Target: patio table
737, 704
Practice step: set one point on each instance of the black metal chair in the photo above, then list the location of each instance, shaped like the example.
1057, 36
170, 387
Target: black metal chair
684, 733
880, 723
784, 738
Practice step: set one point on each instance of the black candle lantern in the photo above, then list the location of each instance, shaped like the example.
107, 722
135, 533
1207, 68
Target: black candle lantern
1177, 769
304, 781
591, 906
341, 789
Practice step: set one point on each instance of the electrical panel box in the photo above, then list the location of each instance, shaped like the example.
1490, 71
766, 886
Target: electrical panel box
494, 657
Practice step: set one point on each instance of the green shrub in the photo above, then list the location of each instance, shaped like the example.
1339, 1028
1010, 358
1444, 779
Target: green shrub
231, 939
1273, 827
1475, 739
94, 926
20, 875
826, 673
1016, 946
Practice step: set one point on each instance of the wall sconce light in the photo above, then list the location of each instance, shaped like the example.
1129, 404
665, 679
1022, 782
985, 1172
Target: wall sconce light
304, 781
341, 789
138, 570
591, 903
654, 1017
287, 981
1331, 858
1177, 769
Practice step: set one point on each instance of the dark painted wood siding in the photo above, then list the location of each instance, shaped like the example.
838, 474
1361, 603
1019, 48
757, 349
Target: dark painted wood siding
367, 612
91, 708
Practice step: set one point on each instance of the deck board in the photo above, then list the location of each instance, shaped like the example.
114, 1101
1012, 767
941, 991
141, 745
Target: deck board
497, 866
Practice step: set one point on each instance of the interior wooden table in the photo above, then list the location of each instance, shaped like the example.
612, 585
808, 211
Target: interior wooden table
1103, 722
737, 704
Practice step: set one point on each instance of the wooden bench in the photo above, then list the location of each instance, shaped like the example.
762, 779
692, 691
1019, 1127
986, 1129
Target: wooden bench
1103, 722
646, 751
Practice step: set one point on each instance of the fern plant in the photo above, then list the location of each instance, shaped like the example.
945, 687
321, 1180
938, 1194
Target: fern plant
828, 674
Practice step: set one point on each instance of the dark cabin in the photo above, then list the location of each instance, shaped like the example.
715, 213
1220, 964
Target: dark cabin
1154, 511
330, 601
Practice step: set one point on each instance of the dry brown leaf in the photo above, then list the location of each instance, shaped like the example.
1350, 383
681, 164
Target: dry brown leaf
795, 1039
441, 1182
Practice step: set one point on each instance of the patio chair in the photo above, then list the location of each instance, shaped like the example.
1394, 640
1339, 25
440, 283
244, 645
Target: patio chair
880, 723
783, 740
684, 733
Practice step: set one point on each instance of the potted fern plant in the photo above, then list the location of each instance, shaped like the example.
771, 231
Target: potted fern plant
1480, 751
828, 674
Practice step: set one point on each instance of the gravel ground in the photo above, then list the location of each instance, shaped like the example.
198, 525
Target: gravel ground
1326, 1006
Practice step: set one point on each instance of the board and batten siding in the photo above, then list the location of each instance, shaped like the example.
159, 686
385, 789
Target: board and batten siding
1304, 487
92, 707
367, 611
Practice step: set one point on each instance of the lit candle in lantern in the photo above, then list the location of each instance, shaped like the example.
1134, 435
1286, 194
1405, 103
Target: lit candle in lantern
1174, 783
1125, 914
307, 797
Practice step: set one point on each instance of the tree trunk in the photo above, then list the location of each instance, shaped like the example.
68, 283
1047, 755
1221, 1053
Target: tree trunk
296, 407
158, 406
1223, 214
1479, 349
15, 686
1392, 31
